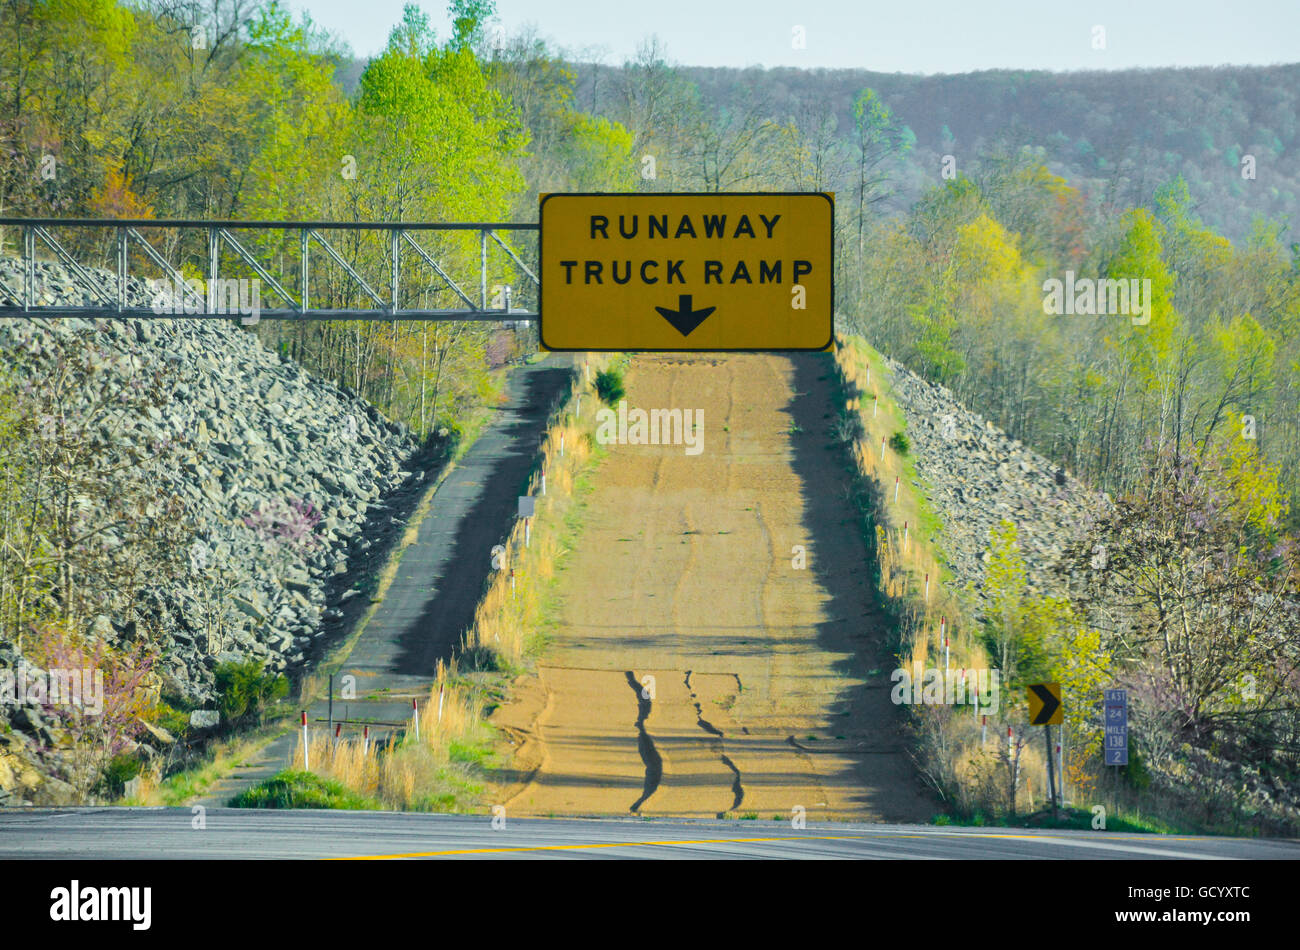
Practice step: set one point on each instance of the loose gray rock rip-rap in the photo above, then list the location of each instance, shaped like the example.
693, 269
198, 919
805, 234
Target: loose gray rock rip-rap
260, 437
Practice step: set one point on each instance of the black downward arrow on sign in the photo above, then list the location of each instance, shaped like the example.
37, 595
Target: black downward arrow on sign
684, 319
1050, 702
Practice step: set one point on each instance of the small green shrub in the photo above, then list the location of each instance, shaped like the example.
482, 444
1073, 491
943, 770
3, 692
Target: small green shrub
298, 789
467, 752
899, 443
175, 721
120, 769
609, 386
244, 691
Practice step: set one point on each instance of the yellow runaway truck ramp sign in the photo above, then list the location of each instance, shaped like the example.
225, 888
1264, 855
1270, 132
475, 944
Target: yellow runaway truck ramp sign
725, 271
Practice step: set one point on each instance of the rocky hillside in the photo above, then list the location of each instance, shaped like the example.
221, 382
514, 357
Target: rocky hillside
280, 481
976, 475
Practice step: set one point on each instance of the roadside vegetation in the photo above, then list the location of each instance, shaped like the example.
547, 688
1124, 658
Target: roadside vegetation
509, 625
298, 789
989, 778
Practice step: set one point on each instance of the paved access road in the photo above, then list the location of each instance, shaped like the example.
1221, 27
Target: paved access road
439, 579
129, 833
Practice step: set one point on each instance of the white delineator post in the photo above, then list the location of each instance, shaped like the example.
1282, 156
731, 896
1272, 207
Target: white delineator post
306, 765
984, 728
512, 582
875, 404
927, 587
365, 739
1060, 762
943, 629
415, 717
561, 445
528, 531
440, 692
895, 489
543, 481
905, 536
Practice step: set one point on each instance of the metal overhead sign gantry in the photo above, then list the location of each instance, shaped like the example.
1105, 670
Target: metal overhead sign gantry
289, 278
657, 271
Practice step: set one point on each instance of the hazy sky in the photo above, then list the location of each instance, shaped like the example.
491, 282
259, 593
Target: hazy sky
914, 36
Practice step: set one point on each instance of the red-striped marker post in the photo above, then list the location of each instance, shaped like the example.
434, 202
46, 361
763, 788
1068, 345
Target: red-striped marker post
943, 621
305, 763
1060, 764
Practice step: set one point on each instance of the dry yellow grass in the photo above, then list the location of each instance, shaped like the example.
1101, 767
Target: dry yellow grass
908, 559
974, 773
417, 773
505, 623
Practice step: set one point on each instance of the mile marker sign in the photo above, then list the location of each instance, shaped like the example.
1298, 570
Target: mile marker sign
669, 271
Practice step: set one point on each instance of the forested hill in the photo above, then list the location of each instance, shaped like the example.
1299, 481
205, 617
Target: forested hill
1115, 136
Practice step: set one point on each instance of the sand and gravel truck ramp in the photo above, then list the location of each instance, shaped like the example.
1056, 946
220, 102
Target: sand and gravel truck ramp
697, 670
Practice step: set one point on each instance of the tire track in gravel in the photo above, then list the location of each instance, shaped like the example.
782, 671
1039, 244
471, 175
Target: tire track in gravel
737, 789
654, 763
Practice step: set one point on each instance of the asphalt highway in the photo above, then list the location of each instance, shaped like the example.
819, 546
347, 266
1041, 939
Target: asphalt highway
220, 833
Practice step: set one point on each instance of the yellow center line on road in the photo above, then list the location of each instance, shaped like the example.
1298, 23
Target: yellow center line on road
609, 844
1046, 839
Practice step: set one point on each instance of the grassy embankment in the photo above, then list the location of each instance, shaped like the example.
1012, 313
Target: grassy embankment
972, 776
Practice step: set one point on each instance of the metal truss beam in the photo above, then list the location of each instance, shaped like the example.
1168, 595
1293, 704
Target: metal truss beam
113, 290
